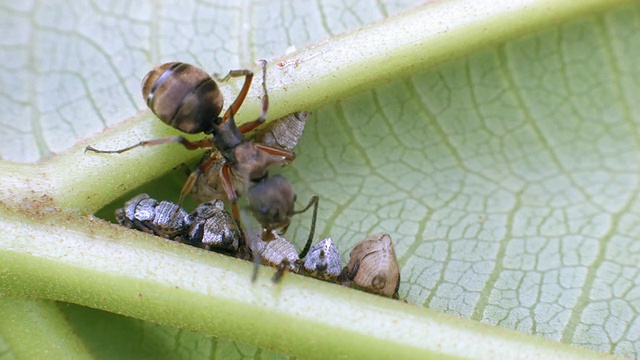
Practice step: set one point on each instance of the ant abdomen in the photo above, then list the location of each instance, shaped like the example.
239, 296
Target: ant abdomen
183, 96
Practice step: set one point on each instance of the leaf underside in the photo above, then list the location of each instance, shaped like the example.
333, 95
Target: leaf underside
508, 178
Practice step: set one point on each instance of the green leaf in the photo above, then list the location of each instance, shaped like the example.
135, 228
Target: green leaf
501, 155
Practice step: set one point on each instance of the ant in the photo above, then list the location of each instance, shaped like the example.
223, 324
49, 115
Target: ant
188, 99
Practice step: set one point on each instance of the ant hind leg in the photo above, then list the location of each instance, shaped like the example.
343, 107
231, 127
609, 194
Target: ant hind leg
246, 127
189, 145
235, 106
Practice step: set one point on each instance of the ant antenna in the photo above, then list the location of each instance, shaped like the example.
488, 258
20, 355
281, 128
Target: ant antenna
314, 201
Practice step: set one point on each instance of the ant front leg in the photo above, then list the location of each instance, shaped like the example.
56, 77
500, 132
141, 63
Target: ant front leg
288, 155
227, 185
189, 145
195, 174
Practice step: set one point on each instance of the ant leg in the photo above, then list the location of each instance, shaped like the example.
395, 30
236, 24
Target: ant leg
227, 185
282, 268
314, 201
246, 127
346, 276
252, 244
243, 91
257, 260
276, 151
190, 145
199, 170
248, 74
184, 168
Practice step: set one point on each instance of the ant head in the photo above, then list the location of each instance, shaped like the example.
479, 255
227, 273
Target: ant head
271, 201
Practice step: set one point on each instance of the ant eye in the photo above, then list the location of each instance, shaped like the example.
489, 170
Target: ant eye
265, 212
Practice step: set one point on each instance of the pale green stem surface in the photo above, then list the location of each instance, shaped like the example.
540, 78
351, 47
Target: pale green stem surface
134, 274
37, 330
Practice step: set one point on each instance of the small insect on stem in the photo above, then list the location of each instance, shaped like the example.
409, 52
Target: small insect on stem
323, 261
212, 228
297, 61
164, 219
373, 266
284, 132
209, 226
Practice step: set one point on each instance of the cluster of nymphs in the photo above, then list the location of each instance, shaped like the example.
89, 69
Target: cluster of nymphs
236, 163
372, 265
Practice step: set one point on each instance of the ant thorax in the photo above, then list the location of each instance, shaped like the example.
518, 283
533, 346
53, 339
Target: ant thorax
284, 132
252, 164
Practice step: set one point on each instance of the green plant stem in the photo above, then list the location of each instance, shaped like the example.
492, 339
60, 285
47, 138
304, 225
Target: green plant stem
62, 255
415, 41
85, 182
36, 330
145, 277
